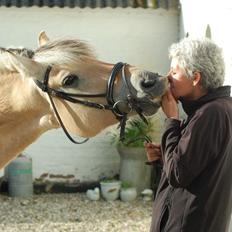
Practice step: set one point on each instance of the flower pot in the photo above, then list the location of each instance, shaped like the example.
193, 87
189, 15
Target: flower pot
128, 194
133, 168
110, 190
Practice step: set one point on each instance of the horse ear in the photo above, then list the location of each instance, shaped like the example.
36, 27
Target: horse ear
26, 67
43, 38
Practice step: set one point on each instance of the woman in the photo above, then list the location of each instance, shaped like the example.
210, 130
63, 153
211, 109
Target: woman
195, 190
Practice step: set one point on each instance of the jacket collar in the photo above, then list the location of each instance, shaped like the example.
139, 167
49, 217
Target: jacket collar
191, 106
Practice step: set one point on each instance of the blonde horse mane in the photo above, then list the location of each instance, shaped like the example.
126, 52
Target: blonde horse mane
58, 52
6, 67
63, 52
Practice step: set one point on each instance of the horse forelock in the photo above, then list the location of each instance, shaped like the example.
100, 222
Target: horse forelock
63, 52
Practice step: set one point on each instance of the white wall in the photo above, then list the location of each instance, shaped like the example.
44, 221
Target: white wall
137, 36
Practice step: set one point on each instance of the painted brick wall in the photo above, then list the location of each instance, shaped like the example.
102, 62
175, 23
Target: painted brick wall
136, 36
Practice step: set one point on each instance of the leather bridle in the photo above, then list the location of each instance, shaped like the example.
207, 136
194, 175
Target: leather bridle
109, 95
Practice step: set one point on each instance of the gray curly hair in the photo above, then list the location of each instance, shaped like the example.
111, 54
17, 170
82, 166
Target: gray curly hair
201, 55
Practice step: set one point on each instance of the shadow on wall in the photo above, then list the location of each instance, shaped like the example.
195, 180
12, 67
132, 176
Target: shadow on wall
208, 32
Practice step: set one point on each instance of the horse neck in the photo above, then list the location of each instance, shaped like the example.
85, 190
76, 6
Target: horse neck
24, 116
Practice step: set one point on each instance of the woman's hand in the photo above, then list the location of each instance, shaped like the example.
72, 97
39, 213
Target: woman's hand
170, 106
153, 151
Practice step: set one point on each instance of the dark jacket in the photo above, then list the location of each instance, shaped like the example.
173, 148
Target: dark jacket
195, 190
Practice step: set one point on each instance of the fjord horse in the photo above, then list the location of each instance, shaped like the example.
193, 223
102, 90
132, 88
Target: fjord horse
63, 84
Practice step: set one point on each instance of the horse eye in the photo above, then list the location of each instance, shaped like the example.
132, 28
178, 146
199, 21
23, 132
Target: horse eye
69, 80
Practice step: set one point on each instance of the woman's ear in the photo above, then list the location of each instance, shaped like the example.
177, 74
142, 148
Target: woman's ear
196, 78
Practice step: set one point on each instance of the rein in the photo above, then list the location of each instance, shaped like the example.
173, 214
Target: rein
109, 95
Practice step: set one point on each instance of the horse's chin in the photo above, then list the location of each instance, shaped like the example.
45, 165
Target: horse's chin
151, 111
87, 127
149, 107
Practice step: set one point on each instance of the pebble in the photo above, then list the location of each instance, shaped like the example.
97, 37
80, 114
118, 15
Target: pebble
71, 213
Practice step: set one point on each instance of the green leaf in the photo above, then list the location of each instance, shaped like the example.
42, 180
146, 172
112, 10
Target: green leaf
136, 133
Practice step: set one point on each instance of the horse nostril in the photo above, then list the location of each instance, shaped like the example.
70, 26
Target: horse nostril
148, 83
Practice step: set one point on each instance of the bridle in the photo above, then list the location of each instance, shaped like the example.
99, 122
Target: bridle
112, 105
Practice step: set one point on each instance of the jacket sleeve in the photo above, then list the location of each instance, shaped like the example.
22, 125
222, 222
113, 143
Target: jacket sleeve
187, 152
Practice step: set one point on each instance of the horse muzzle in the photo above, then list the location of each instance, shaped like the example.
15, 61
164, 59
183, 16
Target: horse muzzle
149, 84
149, 88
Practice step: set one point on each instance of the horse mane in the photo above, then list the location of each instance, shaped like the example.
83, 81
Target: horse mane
63, 52
18, 51
58, 52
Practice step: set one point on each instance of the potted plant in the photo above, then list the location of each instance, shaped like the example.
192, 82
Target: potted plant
128, 192
110, 189
132, 153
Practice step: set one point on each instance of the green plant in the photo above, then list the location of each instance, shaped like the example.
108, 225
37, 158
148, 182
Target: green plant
136, 133
126, 185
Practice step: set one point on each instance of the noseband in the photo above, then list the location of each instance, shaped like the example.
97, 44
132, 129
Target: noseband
109, 95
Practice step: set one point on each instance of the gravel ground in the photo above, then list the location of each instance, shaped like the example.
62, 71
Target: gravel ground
73, 212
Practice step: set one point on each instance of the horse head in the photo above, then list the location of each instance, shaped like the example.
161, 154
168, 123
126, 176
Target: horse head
76, 72
130, 90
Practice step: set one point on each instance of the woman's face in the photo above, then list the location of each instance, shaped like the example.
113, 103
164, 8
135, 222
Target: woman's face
180, 84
